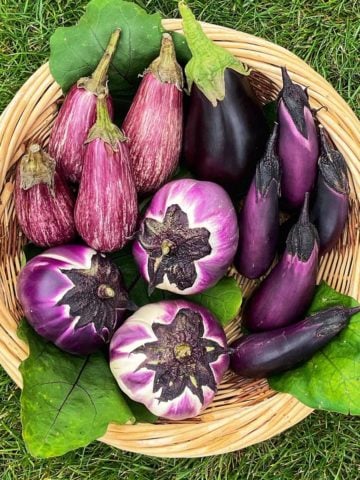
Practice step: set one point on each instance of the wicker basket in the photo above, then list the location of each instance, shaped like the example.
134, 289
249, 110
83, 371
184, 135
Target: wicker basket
244, 411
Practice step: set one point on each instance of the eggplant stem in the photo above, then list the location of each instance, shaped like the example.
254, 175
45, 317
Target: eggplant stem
352, 311
105, 291
165, 67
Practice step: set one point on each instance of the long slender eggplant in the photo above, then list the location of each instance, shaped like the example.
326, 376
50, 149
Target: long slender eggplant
285, 294
106, 207
259, 217
262, 354
78, 114
225, 131
298, 144
329, 210
154, 123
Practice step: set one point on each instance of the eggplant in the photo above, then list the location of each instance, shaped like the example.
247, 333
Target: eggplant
298, 144
259, 217
187, 238
330, 207
262, 354
225, 131
285, 294
170, 356
154, 123
78, 114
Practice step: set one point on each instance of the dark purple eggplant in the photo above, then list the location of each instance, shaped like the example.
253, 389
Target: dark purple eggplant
225, 130
298, 144
285, 294
330, 207
259, 216
262, 354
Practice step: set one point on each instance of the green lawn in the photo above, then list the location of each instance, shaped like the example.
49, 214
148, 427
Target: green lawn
325, 446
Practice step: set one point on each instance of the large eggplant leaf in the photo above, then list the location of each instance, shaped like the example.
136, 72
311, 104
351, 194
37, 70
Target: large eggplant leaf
330, 380
67, 401
76, 50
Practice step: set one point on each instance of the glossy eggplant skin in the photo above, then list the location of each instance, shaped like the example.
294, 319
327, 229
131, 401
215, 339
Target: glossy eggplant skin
285, 294
262, 354
298, 144
224, 143
259, 217
330, 206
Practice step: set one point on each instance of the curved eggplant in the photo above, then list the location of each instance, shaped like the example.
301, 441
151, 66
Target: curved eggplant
262, 354
286, 292
330, 207
298, 144
259, 217
226, 130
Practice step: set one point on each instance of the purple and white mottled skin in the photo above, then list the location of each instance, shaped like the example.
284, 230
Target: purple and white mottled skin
154, 123
45, 212
106, 207
71, 127
41, 286
207, 205
298, 144
137, 382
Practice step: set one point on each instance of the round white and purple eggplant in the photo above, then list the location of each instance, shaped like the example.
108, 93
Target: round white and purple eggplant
187, 238
78, 114
44, 204
106, 208
286, 293
154, 123
298, 144
74, 297
225, 128
330, 206
170, 356
262, 354
259, 216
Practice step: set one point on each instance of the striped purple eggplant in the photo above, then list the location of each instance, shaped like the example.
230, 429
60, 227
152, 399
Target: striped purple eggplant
154, 122
262, 354
187, 238
106, 207
285, 294
170, 356
78, 114
298, 144
73, 296
225, 128
44, 203
330, 207
259, 216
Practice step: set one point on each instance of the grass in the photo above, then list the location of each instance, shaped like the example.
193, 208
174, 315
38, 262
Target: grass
325, 446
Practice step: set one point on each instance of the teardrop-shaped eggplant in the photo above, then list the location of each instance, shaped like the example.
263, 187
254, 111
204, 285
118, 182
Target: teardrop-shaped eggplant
298, 144
225, 130
330, 207
259, 216
106, 207
286, 292
78, 114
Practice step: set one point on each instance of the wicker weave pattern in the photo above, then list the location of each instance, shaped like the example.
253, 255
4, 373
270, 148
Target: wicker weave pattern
244, 411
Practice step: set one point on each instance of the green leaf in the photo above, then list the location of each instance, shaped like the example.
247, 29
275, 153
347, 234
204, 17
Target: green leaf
76, 50
330, 380
30, 251
67, 401
141, 413
270, 111
223, 300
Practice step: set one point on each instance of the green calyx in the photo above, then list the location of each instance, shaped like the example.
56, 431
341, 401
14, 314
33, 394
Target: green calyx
97, 83
209, 61
104, 128
37, 167
165, 67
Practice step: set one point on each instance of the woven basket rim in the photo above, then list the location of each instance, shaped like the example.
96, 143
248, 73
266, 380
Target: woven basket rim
234, 426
